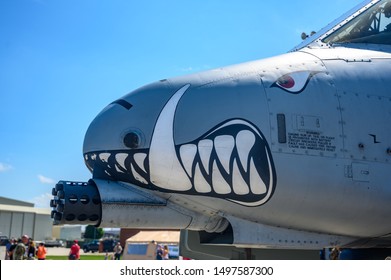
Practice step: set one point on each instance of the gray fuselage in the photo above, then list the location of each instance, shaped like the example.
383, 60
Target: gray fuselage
312, 124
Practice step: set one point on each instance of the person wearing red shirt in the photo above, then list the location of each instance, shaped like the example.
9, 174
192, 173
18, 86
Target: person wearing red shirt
74, 253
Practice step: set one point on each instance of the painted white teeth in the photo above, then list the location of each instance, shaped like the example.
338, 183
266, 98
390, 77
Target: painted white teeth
120, 158
188, 153
205, 148
118, 170
200, 184
137, 176
220, 186
245, 141
256, 183
104, 157
139, 158
240, 187
224, 146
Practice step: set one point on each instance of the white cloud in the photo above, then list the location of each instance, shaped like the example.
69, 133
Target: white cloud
5, 167
45, 180
42, 201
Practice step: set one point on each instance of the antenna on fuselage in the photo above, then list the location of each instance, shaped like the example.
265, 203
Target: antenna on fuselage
305, 36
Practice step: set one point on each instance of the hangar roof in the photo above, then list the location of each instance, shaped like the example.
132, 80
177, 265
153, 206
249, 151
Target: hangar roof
10, 201
25, 209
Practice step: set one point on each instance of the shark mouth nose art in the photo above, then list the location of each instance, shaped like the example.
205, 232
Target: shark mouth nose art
231, 161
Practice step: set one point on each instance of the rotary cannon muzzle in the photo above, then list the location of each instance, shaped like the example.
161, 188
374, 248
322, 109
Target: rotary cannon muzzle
76, 203
104, 203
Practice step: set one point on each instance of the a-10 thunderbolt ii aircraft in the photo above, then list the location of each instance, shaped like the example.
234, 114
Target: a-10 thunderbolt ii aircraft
290, 153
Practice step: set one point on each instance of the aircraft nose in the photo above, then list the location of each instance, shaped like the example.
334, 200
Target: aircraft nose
114, 135
126, 125
103, 130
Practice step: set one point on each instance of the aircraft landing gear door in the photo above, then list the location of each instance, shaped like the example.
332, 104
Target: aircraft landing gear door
304, 111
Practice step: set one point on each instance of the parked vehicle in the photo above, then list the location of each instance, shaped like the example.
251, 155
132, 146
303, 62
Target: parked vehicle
4, 240
54, 243
92, 246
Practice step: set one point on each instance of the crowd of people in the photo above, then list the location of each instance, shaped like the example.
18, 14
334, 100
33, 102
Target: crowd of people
25, 248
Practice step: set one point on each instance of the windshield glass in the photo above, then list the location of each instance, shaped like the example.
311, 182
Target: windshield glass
372, 27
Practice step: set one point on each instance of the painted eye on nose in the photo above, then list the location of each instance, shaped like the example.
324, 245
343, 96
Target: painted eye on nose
294, 82
132, 140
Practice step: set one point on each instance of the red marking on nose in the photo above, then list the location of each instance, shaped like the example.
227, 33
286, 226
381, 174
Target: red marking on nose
286, 82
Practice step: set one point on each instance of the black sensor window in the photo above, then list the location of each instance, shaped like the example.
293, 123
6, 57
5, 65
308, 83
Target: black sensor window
123, 103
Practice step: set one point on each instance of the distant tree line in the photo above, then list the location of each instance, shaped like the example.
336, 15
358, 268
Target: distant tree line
93, 232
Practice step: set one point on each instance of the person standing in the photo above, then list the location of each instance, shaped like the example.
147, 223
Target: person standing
42, 251
335, 252
26, 241
19, 251
166, 254
117, 251
31, 250
9, 248
74, 253
159, 252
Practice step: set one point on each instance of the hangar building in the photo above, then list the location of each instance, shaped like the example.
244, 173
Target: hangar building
19, 217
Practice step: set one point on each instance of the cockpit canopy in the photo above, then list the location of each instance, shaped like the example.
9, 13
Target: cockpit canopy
372, 27
368, 23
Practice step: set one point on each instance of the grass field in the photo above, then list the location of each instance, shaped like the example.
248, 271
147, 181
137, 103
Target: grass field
82, 257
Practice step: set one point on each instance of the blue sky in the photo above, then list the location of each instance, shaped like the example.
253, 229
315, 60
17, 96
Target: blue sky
62, 61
